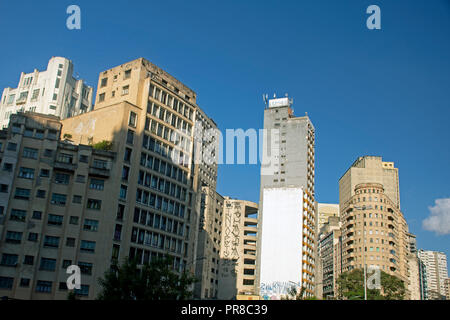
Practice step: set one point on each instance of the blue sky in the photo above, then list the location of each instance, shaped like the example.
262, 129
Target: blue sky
368, 92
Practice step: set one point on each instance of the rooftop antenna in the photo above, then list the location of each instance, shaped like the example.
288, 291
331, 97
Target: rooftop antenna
265, 99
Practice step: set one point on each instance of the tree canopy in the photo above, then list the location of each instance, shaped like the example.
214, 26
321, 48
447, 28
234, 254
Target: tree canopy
350, 285
153, 281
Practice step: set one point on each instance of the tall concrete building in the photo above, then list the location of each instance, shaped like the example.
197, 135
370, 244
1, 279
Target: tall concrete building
374, 232
55, 91
59, 205
370, 169
324, 211
136, 200
287, 201
436, 273
414, 269
209, 244
326, 263
239, 263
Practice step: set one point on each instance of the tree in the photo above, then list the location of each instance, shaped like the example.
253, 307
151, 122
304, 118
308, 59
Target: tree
294, 294
153, 281
351, 286
103, 145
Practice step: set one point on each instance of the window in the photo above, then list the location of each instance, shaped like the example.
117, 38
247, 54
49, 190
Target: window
97, 184
26, 173
65, 158
125, 90
101, 97
127, 74
40, 194
25, 282
87, 246
35, 95
6, 283
62, 286
80, 178
120, 212
76, 199
3, 187
55, 220
30, 153
70, 242
99, 164
133, 118
85, 267
104, 82
58, 80
37, 215
55, 97
45, 173
44, 286
59, 199
28, 260
13, 237
90, 225
66, 263
73, 220
125, 173
7, 167
130, 136
11, 98
127, 155
23, 95
94, 204
123, 192
83, 291
84, 158
18, 215
23, 194
28, 132
9, 260
12, 146
51, 242
48, 153
33, 237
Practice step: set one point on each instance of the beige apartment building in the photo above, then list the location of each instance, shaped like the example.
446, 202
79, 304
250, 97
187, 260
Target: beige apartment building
374, 232
435, 264
239, 253
58, 207
370, 169
138, 199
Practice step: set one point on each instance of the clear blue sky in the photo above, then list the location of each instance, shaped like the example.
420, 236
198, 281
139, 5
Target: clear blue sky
383, 92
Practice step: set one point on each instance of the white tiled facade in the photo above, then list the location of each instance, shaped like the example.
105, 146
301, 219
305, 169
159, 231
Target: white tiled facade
54, 91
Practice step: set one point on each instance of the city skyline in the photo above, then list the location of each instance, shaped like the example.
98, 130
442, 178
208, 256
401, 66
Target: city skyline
379, 93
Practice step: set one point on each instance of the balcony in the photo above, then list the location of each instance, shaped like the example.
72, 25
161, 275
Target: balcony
65, 166
100, 172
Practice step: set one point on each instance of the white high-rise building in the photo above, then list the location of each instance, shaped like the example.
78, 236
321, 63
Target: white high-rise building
287, 202
54, 91
436, 272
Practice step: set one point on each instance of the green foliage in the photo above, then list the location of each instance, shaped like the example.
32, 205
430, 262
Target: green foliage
72, 295
103, 145
351, 286
293, 294
153, 281
67, 136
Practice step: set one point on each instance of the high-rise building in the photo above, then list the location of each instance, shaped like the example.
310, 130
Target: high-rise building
413, 268
55, 91
436, 272
59, 206
209, 244
447, 288
137, 199
324, 211
329, 237
239, 263
374, 232
287, 201
370, 169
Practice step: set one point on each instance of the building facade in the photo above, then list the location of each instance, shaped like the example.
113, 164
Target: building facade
436, 273
329, 238
374, 232
324, 211
55, 210
144, 195
55, 91
287, 180
239, 263
370, 169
